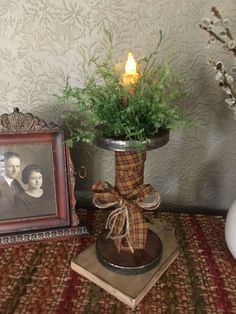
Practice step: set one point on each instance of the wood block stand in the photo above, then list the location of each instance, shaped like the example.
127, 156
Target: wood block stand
129, 289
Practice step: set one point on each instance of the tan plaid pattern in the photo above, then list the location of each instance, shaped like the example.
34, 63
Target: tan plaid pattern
129, 168
128, 190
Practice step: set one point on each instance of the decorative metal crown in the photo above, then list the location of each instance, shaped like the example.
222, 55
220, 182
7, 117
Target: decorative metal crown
18, 122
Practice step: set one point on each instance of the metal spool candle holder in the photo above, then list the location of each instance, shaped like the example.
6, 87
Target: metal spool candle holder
128, 246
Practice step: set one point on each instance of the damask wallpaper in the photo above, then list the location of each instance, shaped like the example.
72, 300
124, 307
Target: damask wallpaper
40, 46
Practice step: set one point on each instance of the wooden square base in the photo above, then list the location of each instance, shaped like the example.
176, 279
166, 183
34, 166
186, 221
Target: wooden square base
130, 289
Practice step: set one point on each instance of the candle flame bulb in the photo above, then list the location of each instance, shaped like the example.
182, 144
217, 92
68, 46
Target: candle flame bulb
130, 76
130, 66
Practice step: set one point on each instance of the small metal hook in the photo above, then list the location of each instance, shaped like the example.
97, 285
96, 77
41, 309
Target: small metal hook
82, 172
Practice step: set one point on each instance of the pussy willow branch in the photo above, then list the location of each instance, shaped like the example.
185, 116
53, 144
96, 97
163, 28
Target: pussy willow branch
204, 27
217, 14
224, 79
224, 82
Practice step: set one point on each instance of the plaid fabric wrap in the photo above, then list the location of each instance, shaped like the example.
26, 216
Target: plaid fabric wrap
129, 170
138, 229
128, 190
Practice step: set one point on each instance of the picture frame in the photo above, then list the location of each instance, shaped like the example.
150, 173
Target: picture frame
36, 181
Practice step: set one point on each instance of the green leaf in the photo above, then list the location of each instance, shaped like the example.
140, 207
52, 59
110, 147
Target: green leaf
99, 106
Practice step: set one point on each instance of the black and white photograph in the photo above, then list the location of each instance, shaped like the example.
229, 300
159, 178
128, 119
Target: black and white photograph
27, 183
33, 181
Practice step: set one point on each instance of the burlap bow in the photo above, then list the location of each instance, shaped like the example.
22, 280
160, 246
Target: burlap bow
125, 223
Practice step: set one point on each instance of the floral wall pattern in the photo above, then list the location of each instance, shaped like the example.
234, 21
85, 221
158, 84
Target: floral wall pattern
40, 46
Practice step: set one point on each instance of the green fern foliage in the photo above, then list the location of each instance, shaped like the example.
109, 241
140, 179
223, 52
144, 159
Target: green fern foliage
104, 106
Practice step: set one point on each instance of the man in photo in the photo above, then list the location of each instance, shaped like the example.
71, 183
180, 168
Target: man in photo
9, 185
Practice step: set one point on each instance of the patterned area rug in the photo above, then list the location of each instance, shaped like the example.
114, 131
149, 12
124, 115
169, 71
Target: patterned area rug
36, 278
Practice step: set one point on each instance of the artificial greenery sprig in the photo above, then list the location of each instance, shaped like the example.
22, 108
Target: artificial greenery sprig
100, 109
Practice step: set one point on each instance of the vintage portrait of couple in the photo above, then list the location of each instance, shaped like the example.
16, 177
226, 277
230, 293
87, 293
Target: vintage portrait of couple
26, 182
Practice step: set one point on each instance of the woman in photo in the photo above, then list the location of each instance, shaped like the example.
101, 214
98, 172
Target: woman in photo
33, 201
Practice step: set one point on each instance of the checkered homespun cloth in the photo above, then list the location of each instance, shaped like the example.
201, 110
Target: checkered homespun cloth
126, 223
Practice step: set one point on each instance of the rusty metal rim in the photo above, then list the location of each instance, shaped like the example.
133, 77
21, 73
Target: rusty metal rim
151, 143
